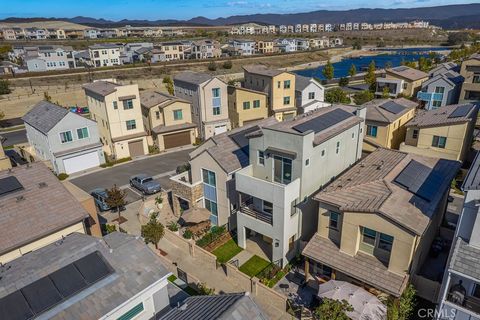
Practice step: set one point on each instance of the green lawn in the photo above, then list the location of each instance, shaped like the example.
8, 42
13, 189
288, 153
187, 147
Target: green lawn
254, 266
227, 251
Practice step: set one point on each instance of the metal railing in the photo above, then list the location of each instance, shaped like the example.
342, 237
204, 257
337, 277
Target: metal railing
469, 302
249, 209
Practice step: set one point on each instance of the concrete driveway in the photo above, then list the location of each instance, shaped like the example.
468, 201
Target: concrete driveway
14, 137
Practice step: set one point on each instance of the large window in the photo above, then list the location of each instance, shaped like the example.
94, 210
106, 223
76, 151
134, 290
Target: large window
211, 206
216, 92
439, 89
415, 134
311, 95
385, 242
256, 104
127, 104
282, 170
439, 142
246, 105
372, 131
131, 125
210, 192
82, 133
373, 240
177, 114
66, 136
368, 236
286, 100
267, 207
286, 84
209, 177
333, 222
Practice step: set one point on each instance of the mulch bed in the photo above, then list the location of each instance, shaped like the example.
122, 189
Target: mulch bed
122, 220
218, 242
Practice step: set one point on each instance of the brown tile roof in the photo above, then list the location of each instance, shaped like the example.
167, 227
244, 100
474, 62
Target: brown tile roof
370, 187
150, 99
101, 87
441, 116
375, 112
175, 127
41, 210
361, 266
262, 70
407, 73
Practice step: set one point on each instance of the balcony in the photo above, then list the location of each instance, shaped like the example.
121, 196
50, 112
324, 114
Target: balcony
249, 209
469, 303
429, 96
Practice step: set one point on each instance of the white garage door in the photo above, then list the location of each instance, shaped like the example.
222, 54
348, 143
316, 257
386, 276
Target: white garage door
220, 129
81, 162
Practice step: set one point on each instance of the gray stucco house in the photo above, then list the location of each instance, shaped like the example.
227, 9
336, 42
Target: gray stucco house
69, 141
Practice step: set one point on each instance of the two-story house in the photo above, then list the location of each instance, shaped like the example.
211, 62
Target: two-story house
470, 70
70, 142
246, 105
117, 111
209, 98
377, 220
167, 119
46, 58
401, 80
105, 54
205, 49
289, 161
446, 132
279, 85
385, 122
244, 47
264, 46
443, 88
309, 94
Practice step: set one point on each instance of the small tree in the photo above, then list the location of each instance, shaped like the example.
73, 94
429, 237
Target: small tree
47, 97
5, 87
352, 71
370, 77
343, 82
153, 231
385, 93
227, 64
333, 309
336, 95
328, 70
212, 66
116, 199
363, 97
388, 65
401, 309
169, 84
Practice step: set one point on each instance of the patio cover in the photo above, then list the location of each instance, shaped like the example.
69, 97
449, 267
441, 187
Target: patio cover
195, 215
365, 305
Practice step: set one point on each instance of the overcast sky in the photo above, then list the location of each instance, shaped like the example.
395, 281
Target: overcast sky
185, 9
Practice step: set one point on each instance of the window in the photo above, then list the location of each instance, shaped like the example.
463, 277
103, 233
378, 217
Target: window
307, 162
368, 236
372, 131
216, 101
246, 105
115, 105
279, 84
476, 78
293, 207
333, 222
127, 104
157, 115
286, 84
256, 104
211, 206
323, 153
132, 313
261, 157
208, 177
439, 89
353, 135
66, 136
415, 134
338, 147
82, 133
267, 207
177, 114
131, 125
286, 100
311, 95
385, 242
439, 142
216, 92
282, 170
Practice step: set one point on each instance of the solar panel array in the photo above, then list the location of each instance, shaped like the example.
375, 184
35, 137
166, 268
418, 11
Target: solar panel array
324, 121
461, 111
392, 107
9, 184
51, 290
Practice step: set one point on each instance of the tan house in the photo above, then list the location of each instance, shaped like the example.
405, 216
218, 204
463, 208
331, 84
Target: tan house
470, 70
445, 132
385, 122
245, 105
117, 111
401, 80
279, 85
264, 46
36, 210
4, 160
377, 223
167, 119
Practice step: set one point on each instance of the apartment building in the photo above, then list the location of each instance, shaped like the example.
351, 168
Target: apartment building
264, 46
470, 70
209, 98
48, 57
286, 45
282, 29
401, 80
117, 111
288, 162
243, 47
91, 33
205, 49
385, 122
168, 120
446, 132
313, 27
443, 88
279, 85
302, 44
309, 94
135, 51
246, 106
377, 221
105, 55
169, 51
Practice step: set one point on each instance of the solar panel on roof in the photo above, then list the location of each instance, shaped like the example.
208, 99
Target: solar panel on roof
15, 307
9, 184
68, 280
92, 267
41, 295
461, 111
323, 121
392, 107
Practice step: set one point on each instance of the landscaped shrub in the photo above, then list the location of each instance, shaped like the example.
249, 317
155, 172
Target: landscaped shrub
172, 226
62, 176
212, 66
183, 168
114, 162
211, 236
187, 234
227, 64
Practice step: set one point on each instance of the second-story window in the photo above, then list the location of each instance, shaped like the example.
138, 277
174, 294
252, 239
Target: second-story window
311, 95
256, 104
131, 125
333, 221
82, 133
371, 131
267, 207
338, 147
415, 134
127, 104
282, 169
261, 157
286, 100
286, 84
177, 114
439, 142
115, 105
66, 136
246, 105
157, 115
216, 101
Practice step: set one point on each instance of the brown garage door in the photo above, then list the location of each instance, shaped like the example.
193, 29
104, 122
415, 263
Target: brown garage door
176, 139
136, 148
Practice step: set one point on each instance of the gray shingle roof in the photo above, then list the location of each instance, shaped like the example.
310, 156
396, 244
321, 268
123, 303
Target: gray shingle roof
102, 88
44, 116
301, 82
236, 306
466, 259
262, 70
376, 113
150, 99
441, 116
192, 77
472, 180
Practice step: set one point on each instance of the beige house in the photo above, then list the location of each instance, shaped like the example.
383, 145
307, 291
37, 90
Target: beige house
445, 132
245, 105
377, 223
4, 160
470, 70
385, 122
117, 111
167, 119
279, 85
264, 46
401, 80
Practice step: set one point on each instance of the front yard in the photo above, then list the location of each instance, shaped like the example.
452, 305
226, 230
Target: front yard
227, 251
254, 266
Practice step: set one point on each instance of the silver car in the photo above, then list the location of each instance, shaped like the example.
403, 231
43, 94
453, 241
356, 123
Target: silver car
145, 184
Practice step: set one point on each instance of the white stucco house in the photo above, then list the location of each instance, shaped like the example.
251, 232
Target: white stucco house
309, 94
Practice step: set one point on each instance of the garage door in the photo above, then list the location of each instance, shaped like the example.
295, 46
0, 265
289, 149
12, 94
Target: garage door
81, 162
136, 148
176, 139
220, 129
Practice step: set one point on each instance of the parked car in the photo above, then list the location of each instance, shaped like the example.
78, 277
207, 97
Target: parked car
145, 184
100, 196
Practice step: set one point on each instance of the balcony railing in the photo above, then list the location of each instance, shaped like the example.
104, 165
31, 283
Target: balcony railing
470, 303
249, 209
428, 96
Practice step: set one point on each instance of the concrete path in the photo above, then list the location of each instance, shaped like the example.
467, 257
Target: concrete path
242, 257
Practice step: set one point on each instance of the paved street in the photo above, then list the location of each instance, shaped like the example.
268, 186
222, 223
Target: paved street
14, 137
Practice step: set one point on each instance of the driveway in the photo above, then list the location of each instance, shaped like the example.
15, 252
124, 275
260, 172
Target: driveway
14, 137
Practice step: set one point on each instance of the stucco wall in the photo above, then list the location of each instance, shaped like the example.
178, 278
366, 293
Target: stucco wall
238, 116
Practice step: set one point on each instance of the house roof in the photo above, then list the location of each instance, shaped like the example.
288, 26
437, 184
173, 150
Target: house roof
465, 259
408, 73
302, 82
373, 185
176, 127
378, 109
262, 70
472, 180
444, 116
105, 46
218, 307
451, 77
41, 207
150, 99
102, 88
445, 67
44, 116
192, 77
135, 267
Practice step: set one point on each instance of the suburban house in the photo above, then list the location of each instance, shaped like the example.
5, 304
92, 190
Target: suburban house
70, 142
209, 99
264, 46
5, 162
117, 111
81, 277
446, 132
377, 221
243, 47
205, 49
168, 51
470, 70
441, 89
245, 105
49, 57
309, 94
168, 120
279, 85
401, 80
286, 45
105, 54
443, 68
288, 162
460, 296
53, 212
385, 122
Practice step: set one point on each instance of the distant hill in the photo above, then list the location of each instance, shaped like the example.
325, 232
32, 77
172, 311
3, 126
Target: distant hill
449, 17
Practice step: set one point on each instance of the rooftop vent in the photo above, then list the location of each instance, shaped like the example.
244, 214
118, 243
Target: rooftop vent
20, 198
42, 185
